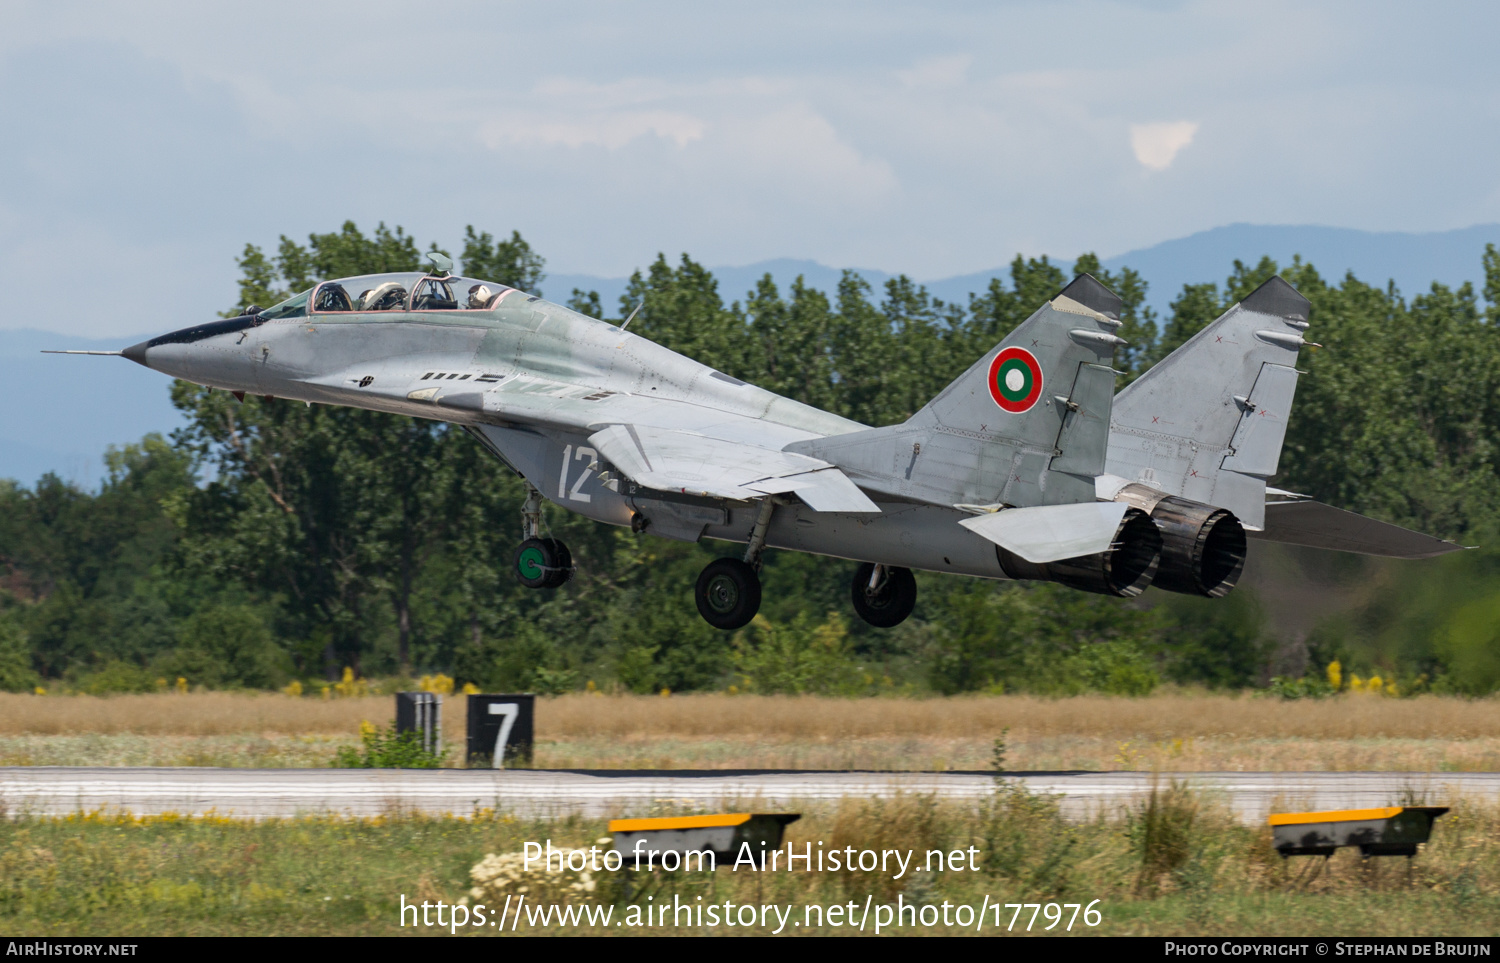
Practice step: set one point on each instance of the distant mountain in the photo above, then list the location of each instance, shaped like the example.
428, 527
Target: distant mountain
1413, 261
57, 413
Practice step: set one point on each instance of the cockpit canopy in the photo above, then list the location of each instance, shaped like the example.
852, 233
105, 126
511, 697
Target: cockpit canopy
407, 291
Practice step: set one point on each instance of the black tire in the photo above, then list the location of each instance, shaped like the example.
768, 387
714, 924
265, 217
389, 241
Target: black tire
562, 561
535, 563
728, 593
892, 603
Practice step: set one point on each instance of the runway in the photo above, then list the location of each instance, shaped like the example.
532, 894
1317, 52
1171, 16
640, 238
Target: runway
272, 793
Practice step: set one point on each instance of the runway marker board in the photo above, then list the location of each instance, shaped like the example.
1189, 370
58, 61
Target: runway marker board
501, 731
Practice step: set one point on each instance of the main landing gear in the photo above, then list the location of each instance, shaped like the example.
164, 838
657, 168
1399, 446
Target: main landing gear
728, 591
883, 596
540, 562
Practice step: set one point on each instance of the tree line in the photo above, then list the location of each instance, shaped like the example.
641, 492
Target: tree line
269, 540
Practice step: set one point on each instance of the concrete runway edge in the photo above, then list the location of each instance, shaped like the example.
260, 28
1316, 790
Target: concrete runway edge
279, 793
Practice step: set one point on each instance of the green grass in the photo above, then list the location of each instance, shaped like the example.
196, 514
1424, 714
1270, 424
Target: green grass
247, 751
1180, 868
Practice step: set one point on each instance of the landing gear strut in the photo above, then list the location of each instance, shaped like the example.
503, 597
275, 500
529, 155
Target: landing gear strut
728, 591
540, 562
883, 596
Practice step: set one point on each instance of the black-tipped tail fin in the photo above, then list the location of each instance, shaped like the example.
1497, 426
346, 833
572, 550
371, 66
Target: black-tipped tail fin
1087, 291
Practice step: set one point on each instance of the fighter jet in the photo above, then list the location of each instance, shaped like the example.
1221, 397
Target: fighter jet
1024, 467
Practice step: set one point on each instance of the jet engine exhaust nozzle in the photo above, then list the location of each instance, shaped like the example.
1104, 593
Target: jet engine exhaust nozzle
1124, 571
1203, 548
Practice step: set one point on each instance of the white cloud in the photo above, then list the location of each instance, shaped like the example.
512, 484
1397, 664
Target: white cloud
1156, 145
613, 129
937, 72
798, 149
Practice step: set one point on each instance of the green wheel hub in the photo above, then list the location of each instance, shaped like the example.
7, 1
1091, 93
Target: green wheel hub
532, 563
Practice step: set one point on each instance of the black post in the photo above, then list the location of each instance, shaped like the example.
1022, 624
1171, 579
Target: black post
500, 731
422, 713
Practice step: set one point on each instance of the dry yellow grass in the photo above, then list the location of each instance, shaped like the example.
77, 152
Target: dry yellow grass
1166, 732
1172, 732
194, 714
1161, 717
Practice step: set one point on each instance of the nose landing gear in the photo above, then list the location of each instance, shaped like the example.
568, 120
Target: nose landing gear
543, 563
883, 596
540, 562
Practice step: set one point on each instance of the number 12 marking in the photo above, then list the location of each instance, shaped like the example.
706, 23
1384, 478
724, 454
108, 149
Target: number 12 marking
573, 494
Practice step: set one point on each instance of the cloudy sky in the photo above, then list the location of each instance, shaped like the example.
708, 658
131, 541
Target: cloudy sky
143, 145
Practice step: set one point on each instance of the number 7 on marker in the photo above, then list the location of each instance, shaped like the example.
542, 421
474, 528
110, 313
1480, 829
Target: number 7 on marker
508, 712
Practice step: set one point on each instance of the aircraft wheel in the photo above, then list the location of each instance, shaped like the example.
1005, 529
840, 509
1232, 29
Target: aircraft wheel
542, 563
891, 603
562, 562
728, 593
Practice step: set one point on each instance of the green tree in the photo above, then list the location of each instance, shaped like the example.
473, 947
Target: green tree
680, 308
511, 262
226, 646
16, 673
1221, 643
802, 657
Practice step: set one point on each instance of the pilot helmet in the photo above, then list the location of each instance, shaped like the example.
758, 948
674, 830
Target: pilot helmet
479, 296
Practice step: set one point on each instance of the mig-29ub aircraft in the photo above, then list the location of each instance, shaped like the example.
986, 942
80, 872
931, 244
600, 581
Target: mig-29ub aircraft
1010, 472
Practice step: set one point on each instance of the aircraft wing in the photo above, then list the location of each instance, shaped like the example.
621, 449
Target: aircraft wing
666, 445
532, 402
669, 459
1316, 525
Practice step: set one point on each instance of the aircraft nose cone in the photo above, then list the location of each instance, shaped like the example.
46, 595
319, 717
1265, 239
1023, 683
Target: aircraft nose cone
137, 353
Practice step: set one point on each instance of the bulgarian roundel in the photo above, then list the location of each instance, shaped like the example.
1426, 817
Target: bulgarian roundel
1015, 380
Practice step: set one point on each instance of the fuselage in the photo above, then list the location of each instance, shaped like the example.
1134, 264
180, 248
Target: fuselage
532, 380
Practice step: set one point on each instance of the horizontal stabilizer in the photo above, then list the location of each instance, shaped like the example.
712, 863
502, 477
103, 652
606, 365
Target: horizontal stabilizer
1316, 525
1047, 533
